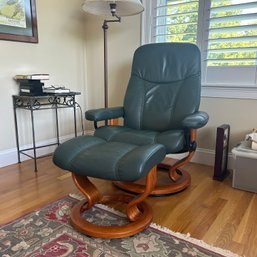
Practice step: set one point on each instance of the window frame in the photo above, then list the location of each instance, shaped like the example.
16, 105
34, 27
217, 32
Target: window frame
221, 89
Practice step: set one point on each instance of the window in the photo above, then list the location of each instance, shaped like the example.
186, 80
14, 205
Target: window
224, 30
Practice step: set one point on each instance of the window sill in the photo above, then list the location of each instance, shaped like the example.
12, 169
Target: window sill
227, 91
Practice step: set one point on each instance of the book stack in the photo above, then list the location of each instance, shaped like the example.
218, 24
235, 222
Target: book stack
31, 84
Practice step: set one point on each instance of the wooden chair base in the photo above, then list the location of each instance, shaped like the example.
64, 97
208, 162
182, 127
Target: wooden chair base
180, 184
100, 231
139, 214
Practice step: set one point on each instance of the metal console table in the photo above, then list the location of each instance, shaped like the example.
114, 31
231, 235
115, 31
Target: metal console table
42, 102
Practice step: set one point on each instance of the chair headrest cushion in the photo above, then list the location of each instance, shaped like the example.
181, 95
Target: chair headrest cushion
166, 62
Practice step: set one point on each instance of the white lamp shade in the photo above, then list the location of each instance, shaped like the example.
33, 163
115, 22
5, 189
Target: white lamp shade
123, 7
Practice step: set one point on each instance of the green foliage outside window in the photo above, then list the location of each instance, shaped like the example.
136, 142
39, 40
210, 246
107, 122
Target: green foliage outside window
232, 41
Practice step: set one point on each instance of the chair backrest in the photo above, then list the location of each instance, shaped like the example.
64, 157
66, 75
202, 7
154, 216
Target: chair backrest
164, 86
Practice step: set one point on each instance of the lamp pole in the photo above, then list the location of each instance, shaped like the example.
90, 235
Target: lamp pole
105, 28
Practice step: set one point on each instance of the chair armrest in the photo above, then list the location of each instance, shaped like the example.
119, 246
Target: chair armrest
196, 120
104, 114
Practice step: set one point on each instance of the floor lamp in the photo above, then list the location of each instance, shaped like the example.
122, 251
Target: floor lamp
115, 9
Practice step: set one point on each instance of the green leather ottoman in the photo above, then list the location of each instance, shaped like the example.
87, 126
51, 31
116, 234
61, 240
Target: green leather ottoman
90, 156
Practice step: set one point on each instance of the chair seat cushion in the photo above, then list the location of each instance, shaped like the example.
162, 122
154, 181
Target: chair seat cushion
94, 157
173, 140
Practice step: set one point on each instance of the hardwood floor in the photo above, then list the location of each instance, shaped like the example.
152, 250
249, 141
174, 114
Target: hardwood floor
209, 210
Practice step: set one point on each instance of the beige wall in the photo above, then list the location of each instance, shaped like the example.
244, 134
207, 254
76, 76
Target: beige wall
239, 113
60, 52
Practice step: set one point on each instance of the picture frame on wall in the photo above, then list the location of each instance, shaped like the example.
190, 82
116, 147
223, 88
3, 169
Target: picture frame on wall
18, 21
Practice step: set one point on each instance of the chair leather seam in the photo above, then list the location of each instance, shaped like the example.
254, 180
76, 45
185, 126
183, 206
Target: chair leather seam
173, 81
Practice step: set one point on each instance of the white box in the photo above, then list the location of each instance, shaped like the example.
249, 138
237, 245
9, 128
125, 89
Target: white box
245, 171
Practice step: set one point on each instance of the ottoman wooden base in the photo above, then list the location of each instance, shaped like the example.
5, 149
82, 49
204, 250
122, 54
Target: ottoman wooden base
138, 212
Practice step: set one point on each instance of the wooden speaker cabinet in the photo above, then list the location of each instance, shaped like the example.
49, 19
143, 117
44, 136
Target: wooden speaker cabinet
221, 152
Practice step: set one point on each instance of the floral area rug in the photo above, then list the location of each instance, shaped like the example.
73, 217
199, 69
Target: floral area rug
48, 233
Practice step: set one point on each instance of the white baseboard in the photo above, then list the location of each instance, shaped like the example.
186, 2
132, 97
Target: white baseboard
207, 157
8, 157
204, 156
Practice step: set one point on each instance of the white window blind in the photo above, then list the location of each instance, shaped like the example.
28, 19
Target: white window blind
230, 46
224, 30
176, 21
232, 39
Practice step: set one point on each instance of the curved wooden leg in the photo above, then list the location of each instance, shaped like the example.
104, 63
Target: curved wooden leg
174, 172
132, 209
88, 189
138, 212
179, 179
